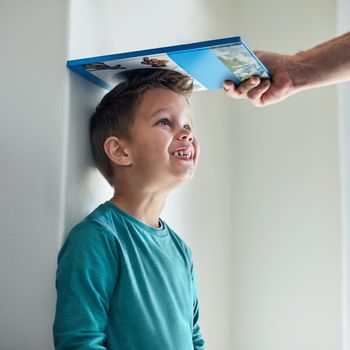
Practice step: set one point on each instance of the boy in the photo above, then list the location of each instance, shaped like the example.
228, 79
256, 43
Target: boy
125, 280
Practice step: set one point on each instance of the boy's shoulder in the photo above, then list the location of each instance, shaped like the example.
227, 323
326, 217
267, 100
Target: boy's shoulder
178, 239
98, 222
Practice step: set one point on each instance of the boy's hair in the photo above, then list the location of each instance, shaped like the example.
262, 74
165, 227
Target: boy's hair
114, 115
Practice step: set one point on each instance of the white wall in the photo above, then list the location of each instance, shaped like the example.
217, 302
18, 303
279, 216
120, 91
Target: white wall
263, 213
33, 124
286, 199
344, 126
344, 129
286, 225
344, 107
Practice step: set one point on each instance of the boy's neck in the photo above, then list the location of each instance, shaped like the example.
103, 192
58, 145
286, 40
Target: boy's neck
146, 207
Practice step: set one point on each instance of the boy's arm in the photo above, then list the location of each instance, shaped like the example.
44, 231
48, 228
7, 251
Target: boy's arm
85, 281
198, 342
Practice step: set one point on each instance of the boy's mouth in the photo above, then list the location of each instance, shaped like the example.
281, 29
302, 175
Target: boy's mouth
184, 153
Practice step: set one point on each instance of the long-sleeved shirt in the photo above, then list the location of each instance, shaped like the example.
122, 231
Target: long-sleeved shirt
122, 285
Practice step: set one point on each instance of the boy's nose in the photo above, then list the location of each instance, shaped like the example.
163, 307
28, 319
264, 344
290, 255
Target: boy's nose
185, 134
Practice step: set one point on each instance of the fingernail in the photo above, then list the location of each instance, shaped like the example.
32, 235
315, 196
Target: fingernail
226, 86
254, 80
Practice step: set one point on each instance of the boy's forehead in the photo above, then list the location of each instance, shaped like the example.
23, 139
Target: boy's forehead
158, 100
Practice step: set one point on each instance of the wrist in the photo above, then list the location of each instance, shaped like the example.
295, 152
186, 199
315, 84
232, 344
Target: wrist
299, 71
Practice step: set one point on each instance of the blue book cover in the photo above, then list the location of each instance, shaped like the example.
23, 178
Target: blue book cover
209, 63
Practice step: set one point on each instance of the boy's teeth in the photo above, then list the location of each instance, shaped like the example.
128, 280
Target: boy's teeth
183, 154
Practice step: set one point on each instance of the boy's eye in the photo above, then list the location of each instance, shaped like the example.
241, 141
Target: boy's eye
188, 127
164, 122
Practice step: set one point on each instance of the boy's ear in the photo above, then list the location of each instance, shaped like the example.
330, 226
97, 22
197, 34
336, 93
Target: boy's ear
116, 151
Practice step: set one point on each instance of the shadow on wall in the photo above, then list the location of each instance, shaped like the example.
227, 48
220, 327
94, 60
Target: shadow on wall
85, 187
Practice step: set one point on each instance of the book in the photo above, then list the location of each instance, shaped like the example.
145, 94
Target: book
209, 63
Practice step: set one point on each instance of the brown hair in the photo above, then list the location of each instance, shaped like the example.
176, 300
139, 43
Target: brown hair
114, 115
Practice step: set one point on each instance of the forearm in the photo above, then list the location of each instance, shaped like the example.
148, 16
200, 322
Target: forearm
325, 64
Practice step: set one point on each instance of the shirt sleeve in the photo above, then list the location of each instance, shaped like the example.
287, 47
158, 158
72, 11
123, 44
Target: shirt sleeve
197, 339
85, 281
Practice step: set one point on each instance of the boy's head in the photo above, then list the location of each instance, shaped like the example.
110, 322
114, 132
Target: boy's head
140, 123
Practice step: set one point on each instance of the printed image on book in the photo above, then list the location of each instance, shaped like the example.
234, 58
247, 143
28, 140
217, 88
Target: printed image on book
209, 63
113, 72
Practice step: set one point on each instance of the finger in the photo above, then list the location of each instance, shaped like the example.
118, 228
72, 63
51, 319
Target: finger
256, 93
231, 90
241, 90
228, 85
248, 85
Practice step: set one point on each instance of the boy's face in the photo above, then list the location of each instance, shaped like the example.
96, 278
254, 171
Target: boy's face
163, 150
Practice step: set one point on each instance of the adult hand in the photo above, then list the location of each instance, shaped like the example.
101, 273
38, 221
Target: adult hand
264, 92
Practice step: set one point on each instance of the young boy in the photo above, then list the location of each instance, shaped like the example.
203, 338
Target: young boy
125, 280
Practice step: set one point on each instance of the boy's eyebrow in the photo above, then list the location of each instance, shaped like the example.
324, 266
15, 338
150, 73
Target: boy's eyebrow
154, 114
160, 110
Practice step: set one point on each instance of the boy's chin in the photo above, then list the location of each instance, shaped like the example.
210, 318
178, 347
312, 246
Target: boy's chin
181, 180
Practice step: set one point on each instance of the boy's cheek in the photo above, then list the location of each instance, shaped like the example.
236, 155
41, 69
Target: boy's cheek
197, 149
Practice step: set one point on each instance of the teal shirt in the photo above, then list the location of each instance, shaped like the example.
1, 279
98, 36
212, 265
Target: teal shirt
122, 285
